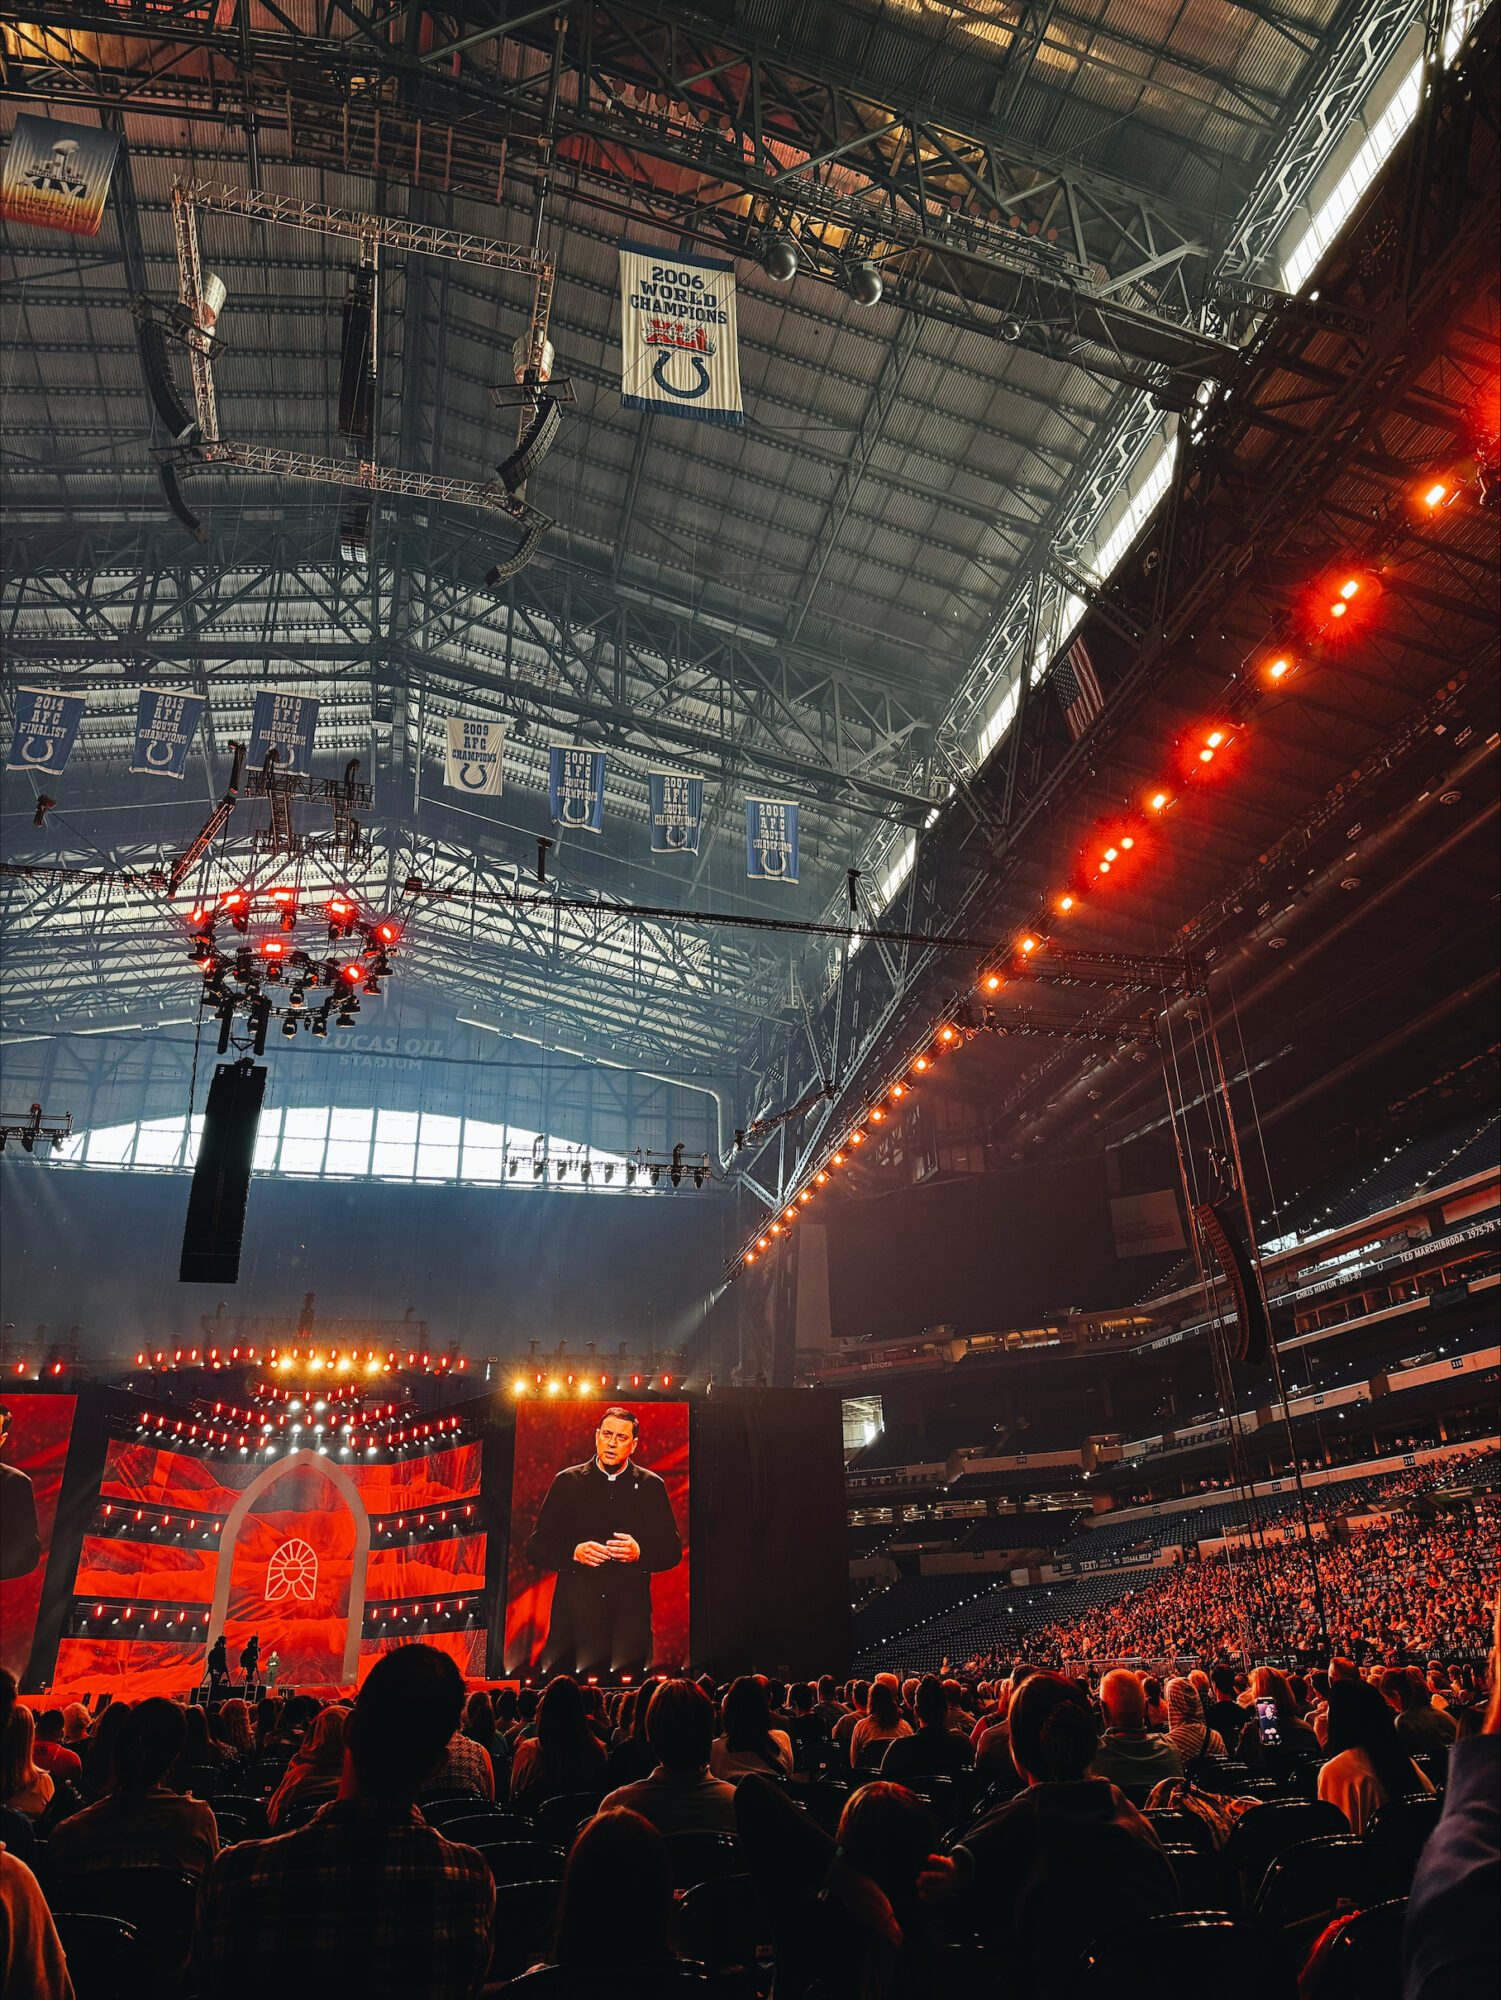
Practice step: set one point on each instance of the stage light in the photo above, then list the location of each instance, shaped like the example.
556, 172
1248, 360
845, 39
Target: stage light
776, 1229
789, 1215
1437, 494
778, 254
1215, 738
857, 1138
354, 972
993, 982
820, 1179
865, 282
921, 1064
1279, 668
837, 1160
899, 1090
806, 1195
1350, 588
946, 1034
1028, 946
1158, 801
876, 1114
750, 1256
388, 933
700, 1175
1065, 904
1127, 842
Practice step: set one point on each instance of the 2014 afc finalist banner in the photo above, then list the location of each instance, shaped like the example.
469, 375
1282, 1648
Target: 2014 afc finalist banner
284, 723
576, 788
771, 840
166, 723
475, 757
46, 728
679, 349
57, 176
676, 804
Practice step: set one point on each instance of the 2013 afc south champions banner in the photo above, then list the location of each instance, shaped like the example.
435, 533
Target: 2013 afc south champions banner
284, 723
576, 787
679, 349
771, 840
475, 759
166, 723
46, 728
676, 811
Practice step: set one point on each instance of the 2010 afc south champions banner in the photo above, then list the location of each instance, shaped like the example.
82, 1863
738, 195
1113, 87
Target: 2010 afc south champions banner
576, 787
475, 759
676, 811
771, 840
166, 723
46, 728
678, 344
284, 723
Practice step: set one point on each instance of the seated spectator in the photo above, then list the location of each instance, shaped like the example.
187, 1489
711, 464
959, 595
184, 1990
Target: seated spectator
1151, 1689
631, 1754
99, 1758
267, 1716
858, 1708
76, 1726
366, 1899
1188, 1732
141, 1822
298, 1714
203, 1760
749, 1743
1068, 1860
507, 1711
231, 1725
680, 1794
466, 1768
936, 1750
32, 1962
315, 1772
1129, 1755
1223, 1713
616, 1904
806, 1730
1367, 1763
24, 1786
882, 1723
49, 1750
1296, 1740
1420, 1725
828, 1708
16, 1831
564, 1756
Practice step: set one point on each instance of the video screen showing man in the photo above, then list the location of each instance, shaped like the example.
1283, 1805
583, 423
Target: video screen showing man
20, 1540
606, 1528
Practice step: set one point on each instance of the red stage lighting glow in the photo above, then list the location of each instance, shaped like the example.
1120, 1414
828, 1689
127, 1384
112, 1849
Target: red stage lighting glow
921, 1064
1065, 903
1279, 668
945, 1034
993, 982
1127, 842
353, 972
837, 1160
274, 947
387, 933
1028, 946
1112, 853
1158, 801
283, 898
820, 1179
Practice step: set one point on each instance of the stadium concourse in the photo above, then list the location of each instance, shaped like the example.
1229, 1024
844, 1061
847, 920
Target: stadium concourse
750, 1119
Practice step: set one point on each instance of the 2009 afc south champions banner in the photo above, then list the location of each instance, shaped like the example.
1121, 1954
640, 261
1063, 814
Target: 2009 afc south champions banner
676, 811
166, 723
677, 335
46, 728
475, 757
771, 840
576, 787
284, 723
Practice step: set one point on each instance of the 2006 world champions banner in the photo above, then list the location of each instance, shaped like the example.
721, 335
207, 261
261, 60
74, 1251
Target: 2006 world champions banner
57, 176
771, 840
676, 804
677, 335
166, 723
576, 787
475, 757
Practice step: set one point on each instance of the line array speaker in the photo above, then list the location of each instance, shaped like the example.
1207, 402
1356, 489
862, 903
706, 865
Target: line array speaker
221, 1179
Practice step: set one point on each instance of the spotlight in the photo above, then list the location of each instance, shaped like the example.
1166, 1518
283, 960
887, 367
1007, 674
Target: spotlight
609, 1173
993, 982
1065, 904
676, 1171
341, 914
320, 1026
865, 282
353, 973
344, 1018
539, 1168
656, 1176
1010, 329
586, 1172
630, 1173
779, 258
289, 1027
1158, 801
820, 1179
1279, 668
1028, 946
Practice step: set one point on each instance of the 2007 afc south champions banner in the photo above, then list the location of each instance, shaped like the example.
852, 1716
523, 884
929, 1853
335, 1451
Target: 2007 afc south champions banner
166, 723
676, 812
771, 840
576, 787
677, 335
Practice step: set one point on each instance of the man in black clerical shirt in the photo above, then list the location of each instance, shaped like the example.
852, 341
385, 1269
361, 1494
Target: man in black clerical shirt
20, 1544
606, 1527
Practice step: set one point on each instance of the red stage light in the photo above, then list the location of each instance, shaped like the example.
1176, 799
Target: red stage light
1028, 945
993, 982
388, 933
945, 1034
274, 947
1065, 904
921, 1064
1158, 801
353, 972
899, 1090
1127, 842
837, 1160
820, 1179
285, 898
1279, 668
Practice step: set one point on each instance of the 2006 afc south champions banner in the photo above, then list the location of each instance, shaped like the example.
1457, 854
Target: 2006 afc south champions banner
771, 840
576, 787
677, 335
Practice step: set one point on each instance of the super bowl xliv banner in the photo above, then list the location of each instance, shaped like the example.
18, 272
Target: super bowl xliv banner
284, 723
45, 731
677, 335
771, 840
676, 811
576, 787
57, 176
475, 758
166, 723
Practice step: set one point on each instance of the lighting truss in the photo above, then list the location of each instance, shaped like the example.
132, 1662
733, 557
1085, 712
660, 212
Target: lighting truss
34, 1127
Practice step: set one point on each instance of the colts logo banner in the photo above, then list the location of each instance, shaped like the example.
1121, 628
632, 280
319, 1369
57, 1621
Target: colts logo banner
45, 731
284, 723
166, 723
771, 840
676, 811
678, 346
576, 788
475, 757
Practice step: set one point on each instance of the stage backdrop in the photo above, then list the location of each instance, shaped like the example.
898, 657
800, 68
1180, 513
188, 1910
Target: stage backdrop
554, 1434
31, 1477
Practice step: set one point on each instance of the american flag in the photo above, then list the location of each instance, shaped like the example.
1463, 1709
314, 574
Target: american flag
1078, 689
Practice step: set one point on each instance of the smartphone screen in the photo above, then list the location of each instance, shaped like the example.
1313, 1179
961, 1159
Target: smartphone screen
1266, 1721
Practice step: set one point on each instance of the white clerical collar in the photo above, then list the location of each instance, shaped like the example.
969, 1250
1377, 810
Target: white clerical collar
611, 1476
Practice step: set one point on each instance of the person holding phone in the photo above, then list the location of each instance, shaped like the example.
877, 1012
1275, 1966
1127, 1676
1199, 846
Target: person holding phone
1275, 1738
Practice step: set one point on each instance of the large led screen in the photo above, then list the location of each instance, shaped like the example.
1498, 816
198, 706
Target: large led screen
34, 1434
598, 1575
327, 1562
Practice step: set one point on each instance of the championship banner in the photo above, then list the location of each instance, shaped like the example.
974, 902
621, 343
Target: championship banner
475, 757
676, 811
46, 729
677, 335
57, 176
284, 723
771, 840
166, 723
576, 787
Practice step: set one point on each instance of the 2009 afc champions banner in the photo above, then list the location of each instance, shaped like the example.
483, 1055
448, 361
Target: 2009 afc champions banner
677, 335
284, 723
46, 728
166, 723
57, 176
576, 788
771, 840
676, 811
475, 757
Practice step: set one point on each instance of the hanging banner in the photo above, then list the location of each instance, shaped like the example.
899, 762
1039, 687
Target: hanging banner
284, 723
576, 787
45, 731
475, 757
166, 723
771, 840
677, 335
57, 176
676, 809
